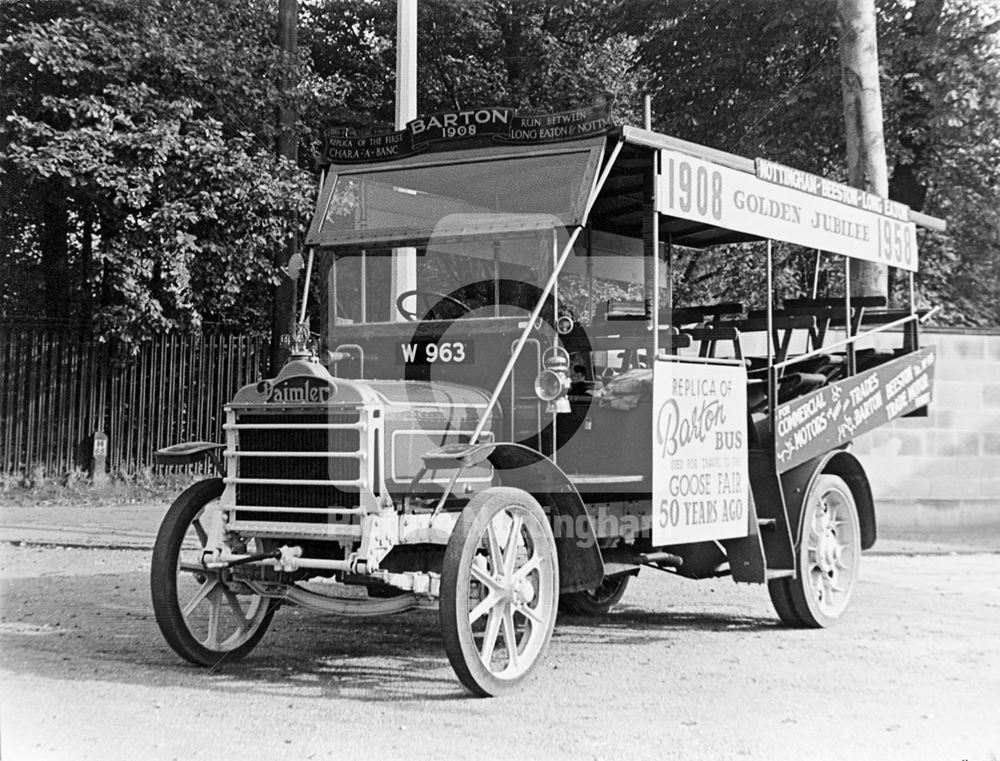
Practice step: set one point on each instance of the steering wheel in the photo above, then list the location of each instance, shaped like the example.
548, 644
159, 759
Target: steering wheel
431, 300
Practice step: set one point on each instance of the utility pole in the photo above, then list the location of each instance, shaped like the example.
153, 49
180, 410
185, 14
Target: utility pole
283, 303
406, 62
862, 97
404, 260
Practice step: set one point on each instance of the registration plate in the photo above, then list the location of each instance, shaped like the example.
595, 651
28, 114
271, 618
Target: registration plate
434, 353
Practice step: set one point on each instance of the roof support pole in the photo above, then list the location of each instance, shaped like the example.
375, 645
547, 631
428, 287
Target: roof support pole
404, 260
849, 318
537, 311
770, 298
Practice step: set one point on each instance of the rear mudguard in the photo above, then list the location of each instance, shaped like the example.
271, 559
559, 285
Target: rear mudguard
797, 482
581, 566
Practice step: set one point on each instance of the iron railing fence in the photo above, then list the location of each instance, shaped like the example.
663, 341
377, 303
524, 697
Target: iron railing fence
58, 386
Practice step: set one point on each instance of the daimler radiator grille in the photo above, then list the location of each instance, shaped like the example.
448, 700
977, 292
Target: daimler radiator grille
303, 448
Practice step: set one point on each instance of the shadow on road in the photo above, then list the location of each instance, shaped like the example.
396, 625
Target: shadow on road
102, 627
633, 626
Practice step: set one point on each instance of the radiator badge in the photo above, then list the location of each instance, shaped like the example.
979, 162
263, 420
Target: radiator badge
296, 390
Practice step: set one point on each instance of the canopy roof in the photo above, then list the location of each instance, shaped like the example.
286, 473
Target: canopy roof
705, 196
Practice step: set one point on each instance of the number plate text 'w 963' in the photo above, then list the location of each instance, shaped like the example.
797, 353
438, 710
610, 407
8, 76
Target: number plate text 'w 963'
433, 353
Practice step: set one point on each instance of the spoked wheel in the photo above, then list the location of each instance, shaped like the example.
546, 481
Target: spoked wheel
596, 602
499, 591
205, 616
828, 558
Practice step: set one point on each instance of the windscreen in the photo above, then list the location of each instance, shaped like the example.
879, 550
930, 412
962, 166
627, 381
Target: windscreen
403, 205
472, 266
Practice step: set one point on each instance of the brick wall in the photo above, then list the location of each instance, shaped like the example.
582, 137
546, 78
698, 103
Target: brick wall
943, 470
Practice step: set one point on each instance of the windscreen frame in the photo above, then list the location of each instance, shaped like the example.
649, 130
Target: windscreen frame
324, 238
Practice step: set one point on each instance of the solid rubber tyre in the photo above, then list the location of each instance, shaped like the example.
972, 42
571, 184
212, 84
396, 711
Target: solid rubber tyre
217, 599
781, 598
828, 555
500, 565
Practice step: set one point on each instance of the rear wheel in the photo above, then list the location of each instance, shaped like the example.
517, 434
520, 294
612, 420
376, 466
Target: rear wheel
204, 615
596, 602
828, 558
499, 591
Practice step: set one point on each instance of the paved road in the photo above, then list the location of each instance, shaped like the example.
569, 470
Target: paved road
685, 670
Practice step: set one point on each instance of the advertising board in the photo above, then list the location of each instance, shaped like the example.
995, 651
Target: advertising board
499, 125
690, 188
700, 480
833, 415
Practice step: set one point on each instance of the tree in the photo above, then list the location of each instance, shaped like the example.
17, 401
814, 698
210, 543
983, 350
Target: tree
528, 54
137, 160
943, 107
140, 189
756, 79
759, 78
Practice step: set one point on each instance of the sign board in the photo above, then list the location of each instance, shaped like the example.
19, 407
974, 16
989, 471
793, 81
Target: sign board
698, 190
837, 191
833, 415
700, 480
498, 125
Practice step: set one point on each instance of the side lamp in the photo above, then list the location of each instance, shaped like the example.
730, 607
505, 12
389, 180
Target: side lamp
552, 383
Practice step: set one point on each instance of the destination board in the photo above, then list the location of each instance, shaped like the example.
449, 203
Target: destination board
698, 190
497, 125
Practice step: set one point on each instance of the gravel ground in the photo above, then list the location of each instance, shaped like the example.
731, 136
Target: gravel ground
696, 670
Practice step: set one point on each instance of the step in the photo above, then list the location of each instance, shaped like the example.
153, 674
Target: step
609, 478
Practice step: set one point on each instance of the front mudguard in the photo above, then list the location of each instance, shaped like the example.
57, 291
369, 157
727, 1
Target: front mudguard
581, 566
191, 453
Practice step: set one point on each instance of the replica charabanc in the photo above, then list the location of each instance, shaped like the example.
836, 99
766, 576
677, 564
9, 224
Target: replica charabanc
429, 447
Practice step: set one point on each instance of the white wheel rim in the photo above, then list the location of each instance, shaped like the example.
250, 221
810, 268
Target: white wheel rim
832, 550
511, 593
217, 613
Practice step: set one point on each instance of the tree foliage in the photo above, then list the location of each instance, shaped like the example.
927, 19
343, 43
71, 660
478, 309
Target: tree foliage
529, 54
762, 79
140, 188
140, 184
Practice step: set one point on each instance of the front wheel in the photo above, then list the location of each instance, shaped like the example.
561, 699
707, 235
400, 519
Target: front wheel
499, 591
204, 615
828, 558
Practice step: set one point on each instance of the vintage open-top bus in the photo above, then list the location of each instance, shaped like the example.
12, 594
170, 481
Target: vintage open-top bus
504, 412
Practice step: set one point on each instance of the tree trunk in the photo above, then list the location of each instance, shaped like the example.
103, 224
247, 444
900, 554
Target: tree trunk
510, 24
86, 300
866, 162
55, 251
